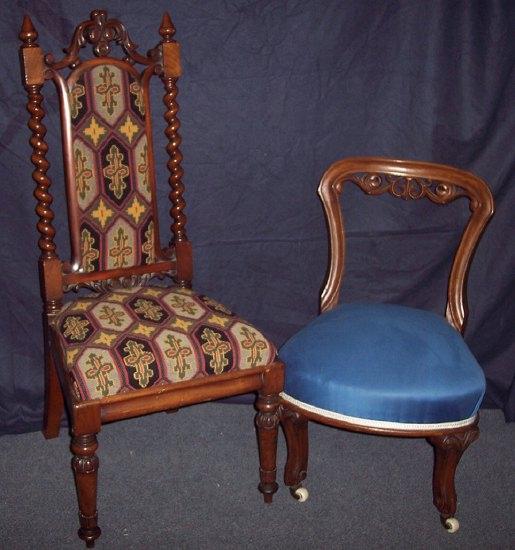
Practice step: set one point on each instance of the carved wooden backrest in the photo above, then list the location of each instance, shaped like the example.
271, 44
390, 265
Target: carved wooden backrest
408, 180
108, 158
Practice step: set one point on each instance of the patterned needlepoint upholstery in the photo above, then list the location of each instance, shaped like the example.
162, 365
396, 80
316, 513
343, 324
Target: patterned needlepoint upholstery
383, 362
111, 167
129, 339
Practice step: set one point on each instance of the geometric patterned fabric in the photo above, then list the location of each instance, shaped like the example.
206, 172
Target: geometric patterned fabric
111, 169
135, 338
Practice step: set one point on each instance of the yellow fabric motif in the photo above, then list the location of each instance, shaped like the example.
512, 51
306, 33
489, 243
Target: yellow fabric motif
121, 250
139, 359
94, 131
178, 354
102, 213
135, 210
75, 328
128, 128
218, 320
105, 338
108, 89
74, 96
116, 171
181, 324
82, 172
216, 349
255, 346
153, 292
144, 330
70, 356
136, 90
80, 306
148, 309
99, 370
89, 254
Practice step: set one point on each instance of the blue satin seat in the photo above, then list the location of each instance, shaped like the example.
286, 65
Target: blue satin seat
381, 364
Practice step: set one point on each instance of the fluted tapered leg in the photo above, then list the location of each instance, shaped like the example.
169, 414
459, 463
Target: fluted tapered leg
267, 423
85, 468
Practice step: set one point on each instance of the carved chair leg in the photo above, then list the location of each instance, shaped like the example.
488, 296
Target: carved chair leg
267, 423
448, 451
85, 468
54, 402
295, 428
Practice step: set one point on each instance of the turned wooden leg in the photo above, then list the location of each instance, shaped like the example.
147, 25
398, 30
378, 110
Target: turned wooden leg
85, 468
54, 403
295, 428
448, 450
267, 423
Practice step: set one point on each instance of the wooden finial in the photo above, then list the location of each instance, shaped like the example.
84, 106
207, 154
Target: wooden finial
28, 34
166, 30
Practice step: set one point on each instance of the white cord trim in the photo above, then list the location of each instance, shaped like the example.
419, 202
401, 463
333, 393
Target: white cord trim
377, 423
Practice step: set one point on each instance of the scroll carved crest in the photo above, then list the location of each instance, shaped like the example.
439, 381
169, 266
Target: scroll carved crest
407, 188
100, 32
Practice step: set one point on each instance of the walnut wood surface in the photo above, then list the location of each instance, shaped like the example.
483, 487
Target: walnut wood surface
85, 469
295, 426
57, 276
408, 180
448, 451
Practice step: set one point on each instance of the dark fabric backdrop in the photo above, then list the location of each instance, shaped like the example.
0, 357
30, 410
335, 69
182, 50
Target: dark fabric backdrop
274, 91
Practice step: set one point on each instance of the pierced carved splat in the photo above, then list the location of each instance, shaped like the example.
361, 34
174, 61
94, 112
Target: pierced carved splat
106, 285
407, 188
408, 180
100, 32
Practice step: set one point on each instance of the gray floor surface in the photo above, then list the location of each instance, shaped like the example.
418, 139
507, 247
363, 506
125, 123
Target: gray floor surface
188, 480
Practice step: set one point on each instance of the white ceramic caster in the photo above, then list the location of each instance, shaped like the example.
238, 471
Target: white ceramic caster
300, 493
451, 525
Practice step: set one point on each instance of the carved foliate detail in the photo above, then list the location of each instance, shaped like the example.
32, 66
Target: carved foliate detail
456, 441
448, 451
100, 32
84, 460
85, 464
407, 188
269, 413
117, 282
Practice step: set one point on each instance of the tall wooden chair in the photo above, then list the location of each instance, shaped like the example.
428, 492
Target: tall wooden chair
386, 369
131, 347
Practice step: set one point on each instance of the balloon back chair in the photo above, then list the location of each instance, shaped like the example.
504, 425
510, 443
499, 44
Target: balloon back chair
386, 369
133, 346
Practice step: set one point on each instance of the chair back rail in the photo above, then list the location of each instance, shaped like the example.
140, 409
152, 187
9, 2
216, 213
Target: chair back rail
408, 180
108, 159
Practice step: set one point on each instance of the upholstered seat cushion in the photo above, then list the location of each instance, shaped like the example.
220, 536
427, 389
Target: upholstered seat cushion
385, 363
129, 339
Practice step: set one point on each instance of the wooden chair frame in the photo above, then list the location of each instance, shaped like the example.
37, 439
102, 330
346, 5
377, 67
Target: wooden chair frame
57, 276
408, 180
